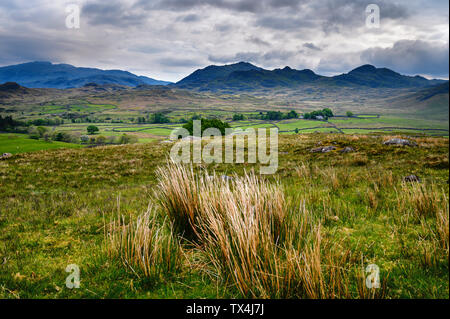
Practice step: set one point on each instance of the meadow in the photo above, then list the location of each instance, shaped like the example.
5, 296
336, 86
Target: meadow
140, 227
20, 143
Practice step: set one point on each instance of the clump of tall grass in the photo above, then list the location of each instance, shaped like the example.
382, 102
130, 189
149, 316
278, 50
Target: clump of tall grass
442, 227
251, 235
421, 199
145, 245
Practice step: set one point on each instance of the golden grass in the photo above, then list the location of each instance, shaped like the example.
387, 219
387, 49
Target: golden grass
144, 245
251, 236
442, 227
423, 200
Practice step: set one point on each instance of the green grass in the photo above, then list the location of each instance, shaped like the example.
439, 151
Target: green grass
54, 204
20, 143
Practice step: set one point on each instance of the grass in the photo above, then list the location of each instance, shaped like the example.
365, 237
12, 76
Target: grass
20, 143
333, 214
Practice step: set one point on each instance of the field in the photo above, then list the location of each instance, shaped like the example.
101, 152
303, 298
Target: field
347, 211
20, 143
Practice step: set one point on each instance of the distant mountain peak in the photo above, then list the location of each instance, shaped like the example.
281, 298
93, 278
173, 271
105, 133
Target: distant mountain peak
44, 74
364, 68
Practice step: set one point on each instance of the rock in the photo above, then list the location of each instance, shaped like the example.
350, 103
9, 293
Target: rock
5, 156
411, 179
327, 149
347, 149
324, 149
400, 141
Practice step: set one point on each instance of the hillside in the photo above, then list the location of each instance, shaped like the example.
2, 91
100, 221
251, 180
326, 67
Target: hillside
431, 102
62, 76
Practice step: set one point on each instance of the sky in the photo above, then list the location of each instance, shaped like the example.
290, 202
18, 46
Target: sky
169, 39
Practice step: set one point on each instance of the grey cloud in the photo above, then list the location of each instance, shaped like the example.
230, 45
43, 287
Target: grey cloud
411, 57
258, 41
284, 23
269, 57
180, 62
311, 46
114, 13
189, 18
234, 5
223, 27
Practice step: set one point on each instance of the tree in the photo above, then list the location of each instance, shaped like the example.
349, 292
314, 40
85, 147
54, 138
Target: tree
327, 113
160, 118
207, 123
292, 115
92, 129
349, 114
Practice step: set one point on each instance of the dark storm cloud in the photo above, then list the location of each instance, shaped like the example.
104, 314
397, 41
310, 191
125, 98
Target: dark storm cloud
411, 57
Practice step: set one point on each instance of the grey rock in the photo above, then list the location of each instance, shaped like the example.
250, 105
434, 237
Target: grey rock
347, 149
411, 179
324, 149
400, 141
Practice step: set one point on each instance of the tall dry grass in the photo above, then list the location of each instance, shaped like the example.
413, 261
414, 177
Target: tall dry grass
423, 200
251, 236
442, 227
145, 245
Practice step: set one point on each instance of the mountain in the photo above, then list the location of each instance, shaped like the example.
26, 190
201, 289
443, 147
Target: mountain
368, 75
212, 73
244, 76
62, 76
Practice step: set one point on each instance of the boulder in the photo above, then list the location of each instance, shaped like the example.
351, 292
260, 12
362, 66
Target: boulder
347, 149
400, 141
324, 149
411, 179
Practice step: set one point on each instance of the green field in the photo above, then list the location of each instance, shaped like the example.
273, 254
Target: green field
20, 143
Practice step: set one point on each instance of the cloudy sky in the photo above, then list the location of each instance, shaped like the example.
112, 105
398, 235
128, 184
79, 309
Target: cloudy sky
169, 39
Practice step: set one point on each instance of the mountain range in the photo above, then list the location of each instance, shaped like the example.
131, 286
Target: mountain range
242, 76
245, 76
63, 76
